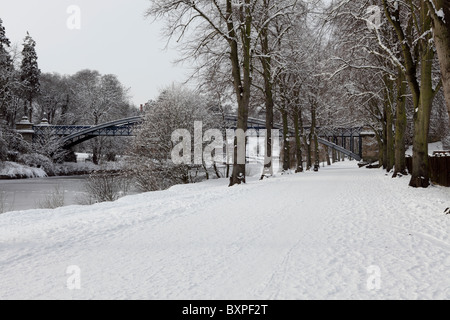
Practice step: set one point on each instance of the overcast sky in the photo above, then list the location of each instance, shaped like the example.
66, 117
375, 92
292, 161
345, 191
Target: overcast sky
114, 38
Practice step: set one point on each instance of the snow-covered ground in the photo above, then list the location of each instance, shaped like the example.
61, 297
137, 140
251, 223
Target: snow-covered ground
342, 233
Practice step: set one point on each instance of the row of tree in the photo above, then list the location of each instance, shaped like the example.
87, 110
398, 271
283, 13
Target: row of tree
304, 63
248, 52
392, 45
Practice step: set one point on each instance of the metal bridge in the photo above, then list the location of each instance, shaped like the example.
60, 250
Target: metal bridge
76, 134
347, 137
73, 135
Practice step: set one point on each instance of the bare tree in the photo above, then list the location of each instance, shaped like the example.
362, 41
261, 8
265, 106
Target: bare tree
219, 24
99, 98
151, 161
440, 14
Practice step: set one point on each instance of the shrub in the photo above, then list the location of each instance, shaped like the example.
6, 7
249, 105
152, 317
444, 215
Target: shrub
103, 187
37, 161
53, 200
3, 150
3, 200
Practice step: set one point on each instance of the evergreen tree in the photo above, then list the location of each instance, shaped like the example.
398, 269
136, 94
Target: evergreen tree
6, 69
29, 74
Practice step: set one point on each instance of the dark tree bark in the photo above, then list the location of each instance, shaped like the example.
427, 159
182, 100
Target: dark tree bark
242, 83
422, 91
298, 127
286, 144
269, 103
441, 30
400, 127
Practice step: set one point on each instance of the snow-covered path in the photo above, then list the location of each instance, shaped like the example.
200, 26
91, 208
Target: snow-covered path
342, 233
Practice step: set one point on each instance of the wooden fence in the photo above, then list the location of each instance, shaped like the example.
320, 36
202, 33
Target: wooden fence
439, 169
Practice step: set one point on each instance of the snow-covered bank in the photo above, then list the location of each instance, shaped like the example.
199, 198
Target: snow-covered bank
12, 170
342, 233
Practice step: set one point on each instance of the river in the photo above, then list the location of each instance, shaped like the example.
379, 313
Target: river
27, 194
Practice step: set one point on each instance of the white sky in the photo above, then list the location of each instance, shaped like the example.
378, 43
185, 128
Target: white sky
114, 38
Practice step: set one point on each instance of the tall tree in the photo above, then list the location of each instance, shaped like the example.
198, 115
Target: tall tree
400, 125
54, 98
221, 25
99, 98
6, 70
29, 75
152, 157
440, 14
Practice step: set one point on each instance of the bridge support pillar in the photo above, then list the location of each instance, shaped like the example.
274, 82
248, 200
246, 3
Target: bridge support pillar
25, 128
370, 149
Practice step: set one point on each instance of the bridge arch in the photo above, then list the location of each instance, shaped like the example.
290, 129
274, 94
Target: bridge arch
73, 135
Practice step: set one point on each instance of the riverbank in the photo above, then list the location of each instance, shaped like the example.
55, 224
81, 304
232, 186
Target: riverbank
12, 170
15, 171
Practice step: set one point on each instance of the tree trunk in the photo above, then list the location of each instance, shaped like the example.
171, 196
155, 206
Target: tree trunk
95, 157
389, 159
379, 137
389, 139
216, 171
313, 136
286, 146
441, 31
420, 169
298, 123
316, 153
384, 138
308, 151
266, 63
242, 83
206, 170
400, 127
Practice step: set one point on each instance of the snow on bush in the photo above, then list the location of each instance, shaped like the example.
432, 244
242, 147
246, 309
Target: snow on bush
15, 170
38, 161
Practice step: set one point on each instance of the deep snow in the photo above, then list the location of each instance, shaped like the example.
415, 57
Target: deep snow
341, 233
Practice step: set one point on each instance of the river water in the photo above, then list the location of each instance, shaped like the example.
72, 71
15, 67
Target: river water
27, 194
